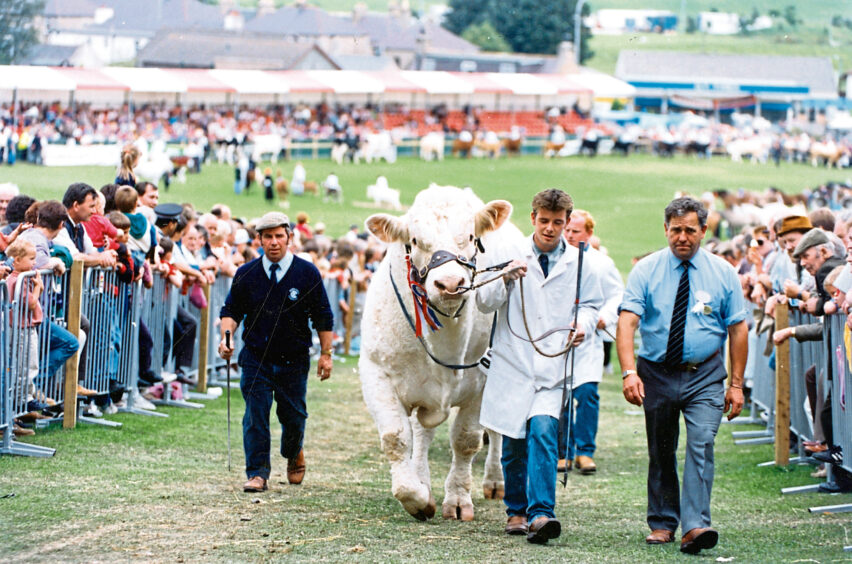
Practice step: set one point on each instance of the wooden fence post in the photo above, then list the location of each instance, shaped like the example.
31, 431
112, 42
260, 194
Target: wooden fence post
72, 365
203, 342
782, 391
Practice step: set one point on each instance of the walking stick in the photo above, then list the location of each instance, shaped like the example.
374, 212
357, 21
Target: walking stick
228, 392
568, 387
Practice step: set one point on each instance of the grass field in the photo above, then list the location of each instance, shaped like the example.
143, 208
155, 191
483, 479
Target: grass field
158, 490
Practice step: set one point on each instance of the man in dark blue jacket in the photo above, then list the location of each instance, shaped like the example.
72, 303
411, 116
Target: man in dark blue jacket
276, 296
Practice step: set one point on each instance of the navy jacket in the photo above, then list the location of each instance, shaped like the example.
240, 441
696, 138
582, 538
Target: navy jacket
276, 317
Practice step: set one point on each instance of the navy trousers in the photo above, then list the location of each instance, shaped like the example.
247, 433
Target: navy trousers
260, 383
699, 394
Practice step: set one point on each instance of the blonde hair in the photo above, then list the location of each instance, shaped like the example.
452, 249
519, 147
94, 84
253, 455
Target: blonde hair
20, 248
589, 221
129, 158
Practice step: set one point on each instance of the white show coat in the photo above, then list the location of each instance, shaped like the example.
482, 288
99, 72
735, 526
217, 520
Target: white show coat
521, 383
588, 357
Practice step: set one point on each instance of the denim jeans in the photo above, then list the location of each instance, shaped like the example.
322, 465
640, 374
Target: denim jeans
260, 383
529, 470
61, 347
584, 427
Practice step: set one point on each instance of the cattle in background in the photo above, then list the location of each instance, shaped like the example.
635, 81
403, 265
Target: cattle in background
406, 392
432, 146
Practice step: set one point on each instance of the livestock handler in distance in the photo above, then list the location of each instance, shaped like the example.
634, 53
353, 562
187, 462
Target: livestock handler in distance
523, 393
685, 302
276, 294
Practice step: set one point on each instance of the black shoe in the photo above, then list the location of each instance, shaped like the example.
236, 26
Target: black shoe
184, 379
834, 455
150, 378
832, 487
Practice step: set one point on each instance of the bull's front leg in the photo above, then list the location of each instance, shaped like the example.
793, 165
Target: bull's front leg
492, 480
395, 434
466, 440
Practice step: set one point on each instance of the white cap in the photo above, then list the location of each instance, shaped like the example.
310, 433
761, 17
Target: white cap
241, 236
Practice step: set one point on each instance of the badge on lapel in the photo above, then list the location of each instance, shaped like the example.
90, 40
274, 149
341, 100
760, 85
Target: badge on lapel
701, 300
293, 294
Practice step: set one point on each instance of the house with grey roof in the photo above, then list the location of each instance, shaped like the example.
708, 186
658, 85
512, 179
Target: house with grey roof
304, 23
219, 49
718, 82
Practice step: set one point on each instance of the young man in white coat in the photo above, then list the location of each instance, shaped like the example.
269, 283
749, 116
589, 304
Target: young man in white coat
522, 399
589, 356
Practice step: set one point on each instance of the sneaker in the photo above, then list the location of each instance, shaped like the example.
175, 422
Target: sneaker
92, 410
142, 403
110, 409
35, 405
821, 473
168, 376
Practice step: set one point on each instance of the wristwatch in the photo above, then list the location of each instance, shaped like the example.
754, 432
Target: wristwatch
627, 373
328, 352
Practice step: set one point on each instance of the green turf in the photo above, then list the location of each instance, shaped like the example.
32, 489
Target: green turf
621, 193
158, 489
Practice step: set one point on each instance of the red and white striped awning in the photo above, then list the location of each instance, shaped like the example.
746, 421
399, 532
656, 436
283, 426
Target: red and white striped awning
177, 81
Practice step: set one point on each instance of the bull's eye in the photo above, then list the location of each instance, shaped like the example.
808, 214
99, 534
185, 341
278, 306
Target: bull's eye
414, 241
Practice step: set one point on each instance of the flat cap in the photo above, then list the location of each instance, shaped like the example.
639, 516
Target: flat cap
794, 223
272, 220
168, 211
810, 239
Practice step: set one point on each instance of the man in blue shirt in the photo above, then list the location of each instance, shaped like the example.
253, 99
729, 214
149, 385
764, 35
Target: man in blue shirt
279, 297
685, 302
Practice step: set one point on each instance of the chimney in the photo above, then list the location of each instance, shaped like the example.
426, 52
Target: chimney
565, 63
359, 10
265, 7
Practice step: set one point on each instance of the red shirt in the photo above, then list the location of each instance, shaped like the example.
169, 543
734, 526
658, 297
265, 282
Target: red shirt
97, 226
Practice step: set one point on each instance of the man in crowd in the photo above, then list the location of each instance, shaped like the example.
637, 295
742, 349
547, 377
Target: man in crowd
524, 391
277, 296
589, 356
685, 302
7, 192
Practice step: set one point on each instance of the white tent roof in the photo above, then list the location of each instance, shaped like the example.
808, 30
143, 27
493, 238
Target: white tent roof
524, 84
146, 79
439, 82
34, 78
251, 81
348, 82
604, 85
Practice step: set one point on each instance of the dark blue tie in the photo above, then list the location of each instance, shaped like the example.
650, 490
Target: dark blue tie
273, 272
544, 261
674, 349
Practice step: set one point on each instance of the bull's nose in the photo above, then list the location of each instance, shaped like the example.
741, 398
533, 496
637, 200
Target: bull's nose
449, 284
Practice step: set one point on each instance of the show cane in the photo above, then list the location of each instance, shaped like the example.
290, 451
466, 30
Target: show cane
568, 386
228, 392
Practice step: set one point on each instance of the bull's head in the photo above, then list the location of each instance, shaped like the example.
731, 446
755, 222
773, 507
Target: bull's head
441, 230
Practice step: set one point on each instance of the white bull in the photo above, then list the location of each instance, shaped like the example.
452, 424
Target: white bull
267, 144
408, 394
432, 146
377, 146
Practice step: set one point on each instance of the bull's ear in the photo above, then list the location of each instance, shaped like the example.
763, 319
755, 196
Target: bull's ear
388, 228
492, 216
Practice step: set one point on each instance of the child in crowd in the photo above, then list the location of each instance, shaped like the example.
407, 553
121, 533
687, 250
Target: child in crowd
6, 240
99, 227
127, 269
24, 255
129, 160
166, 247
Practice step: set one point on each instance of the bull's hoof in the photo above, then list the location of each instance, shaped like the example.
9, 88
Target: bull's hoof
493, 490
427, 512
463, 512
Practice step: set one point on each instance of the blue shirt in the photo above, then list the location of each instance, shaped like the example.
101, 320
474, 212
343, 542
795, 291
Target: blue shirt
715, 302
552, 256
283, 266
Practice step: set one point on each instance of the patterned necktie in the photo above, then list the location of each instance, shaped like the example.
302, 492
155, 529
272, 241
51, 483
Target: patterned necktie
544, 261
674, 349
273, 272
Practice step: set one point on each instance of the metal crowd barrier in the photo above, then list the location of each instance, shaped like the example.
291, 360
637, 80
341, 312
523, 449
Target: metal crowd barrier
762, 403
216, 365
159, 311
26, 352
803, 356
